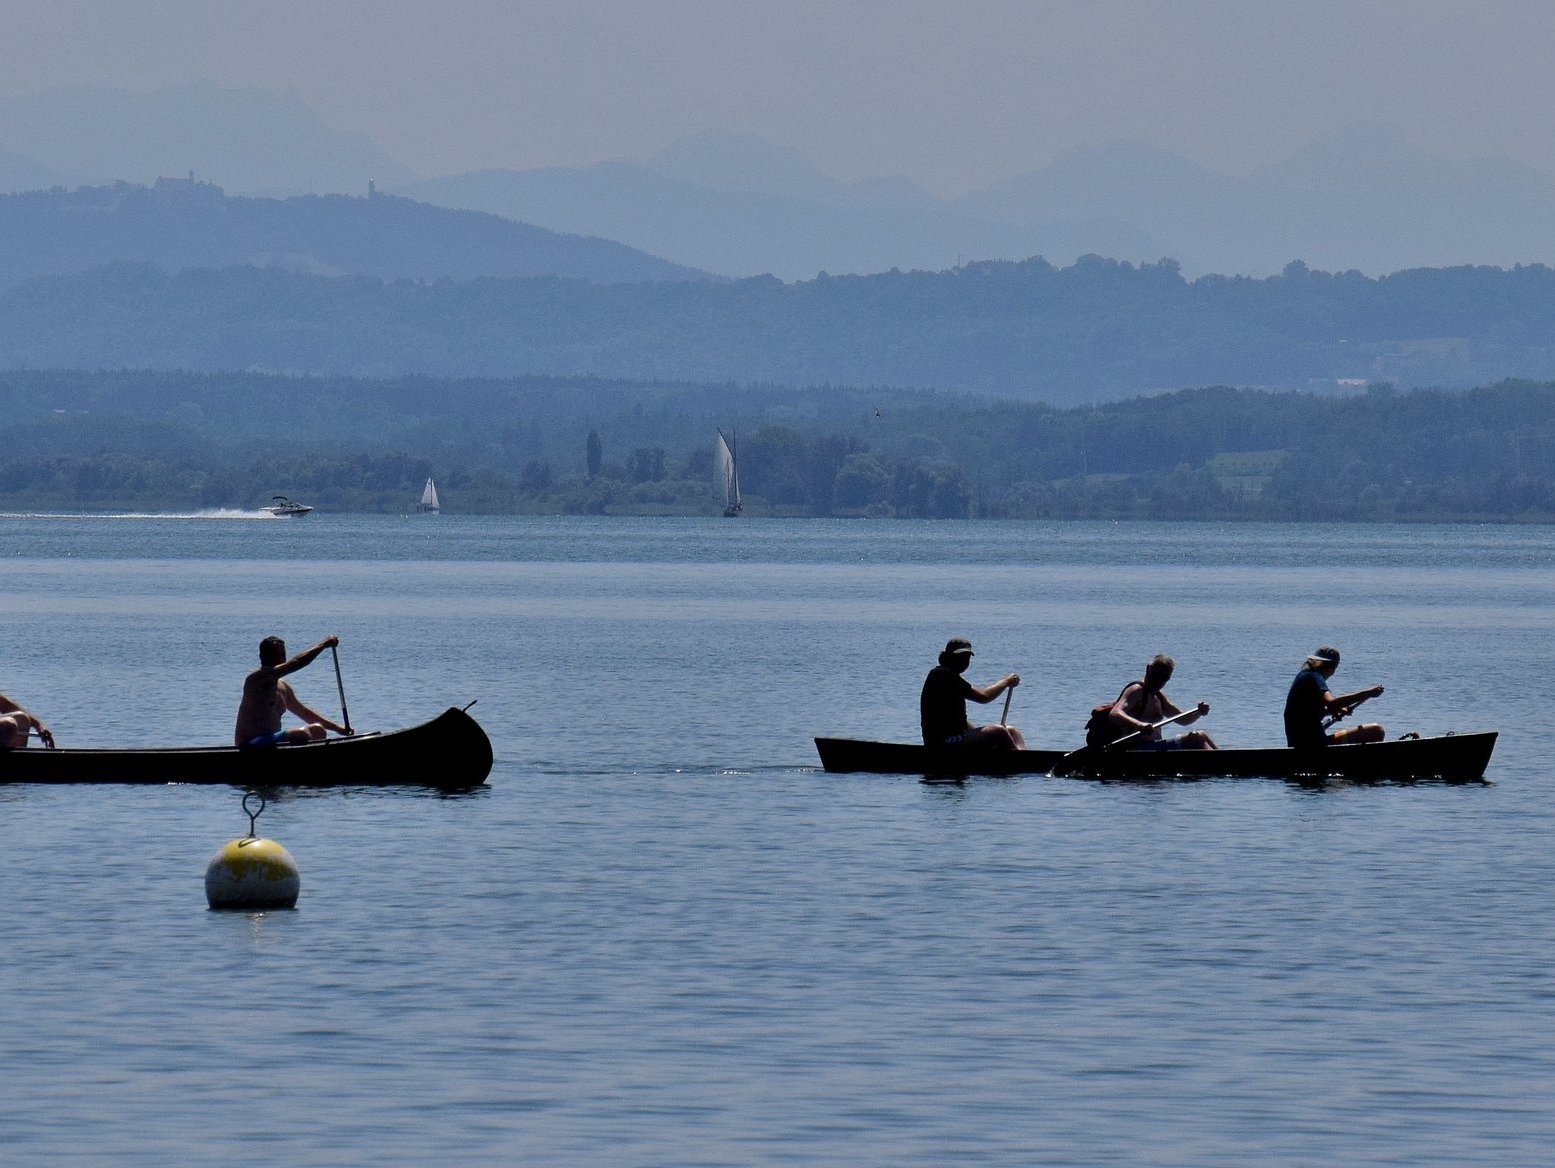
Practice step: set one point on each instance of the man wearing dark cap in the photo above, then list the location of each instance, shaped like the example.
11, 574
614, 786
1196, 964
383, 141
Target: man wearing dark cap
942, 705
1310, 702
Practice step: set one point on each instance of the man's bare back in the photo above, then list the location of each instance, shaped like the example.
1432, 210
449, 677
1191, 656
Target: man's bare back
267, 696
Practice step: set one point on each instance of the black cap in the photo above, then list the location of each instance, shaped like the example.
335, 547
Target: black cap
1327, 653
958, 645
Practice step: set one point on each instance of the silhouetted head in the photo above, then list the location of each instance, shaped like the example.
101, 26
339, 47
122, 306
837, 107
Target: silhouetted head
272, 651
957, 654
1159, 671
1324, 660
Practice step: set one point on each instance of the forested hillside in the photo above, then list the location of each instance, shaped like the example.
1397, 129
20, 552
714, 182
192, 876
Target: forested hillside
1094, 331
144, 440
182, 223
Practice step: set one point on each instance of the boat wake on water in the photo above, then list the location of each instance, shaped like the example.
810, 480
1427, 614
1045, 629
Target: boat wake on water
210, 513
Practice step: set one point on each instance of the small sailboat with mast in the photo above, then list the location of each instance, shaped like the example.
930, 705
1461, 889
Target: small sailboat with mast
429, 504
726, 456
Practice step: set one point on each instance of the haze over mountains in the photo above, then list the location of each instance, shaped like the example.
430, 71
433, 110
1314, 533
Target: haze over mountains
178, 274
736, 205
733, 204
1362, 199
248, 141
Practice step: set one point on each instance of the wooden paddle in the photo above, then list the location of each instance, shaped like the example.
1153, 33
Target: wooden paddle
1058, 766
345, 714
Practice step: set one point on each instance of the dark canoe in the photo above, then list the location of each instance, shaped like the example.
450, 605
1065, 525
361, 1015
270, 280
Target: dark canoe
1452, 758
450, 752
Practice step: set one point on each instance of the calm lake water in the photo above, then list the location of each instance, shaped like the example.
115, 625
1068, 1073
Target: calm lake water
662, 937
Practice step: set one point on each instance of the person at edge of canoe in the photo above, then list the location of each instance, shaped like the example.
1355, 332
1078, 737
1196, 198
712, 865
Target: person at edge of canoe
942, 704
1143, 703
16, 724
1310, 701
266, 697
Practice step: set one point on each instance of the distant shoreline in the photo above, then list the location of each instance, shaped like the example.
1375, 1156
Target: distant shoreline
757, 515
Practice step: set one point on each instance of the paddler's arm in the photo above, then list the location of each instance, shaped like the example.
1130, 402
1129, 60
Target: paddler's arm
45, 735
1123, 721
307, 714
985, 694
305, 658
32, 725
1170, 709
1345, 703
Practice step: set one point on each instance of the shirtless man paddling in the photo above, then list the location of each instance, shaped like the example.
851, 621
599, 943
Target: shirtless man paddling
16, 724
266, 697
1144, 703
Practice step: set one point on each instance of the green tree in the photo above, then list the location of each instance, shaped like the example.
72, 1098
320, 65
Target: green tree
862, 482
535, 478
647, 464
596, 453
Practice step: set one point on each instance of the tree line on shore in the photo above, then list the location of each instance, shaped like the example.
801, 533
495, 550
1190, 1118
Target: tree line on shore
1093, 331
105, 441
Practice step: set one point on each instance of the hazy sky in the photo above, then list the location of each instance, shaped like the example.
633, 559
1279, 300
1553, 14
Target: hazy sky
953, 94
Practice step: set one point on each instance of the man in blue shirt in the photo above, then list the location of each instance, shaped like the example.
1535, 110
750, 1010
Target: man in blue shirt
1310, 702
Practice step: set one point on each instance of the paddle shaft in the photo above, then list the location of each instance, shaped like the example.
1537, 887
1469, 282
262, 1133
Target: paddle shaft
1126, 738
1347, 708
1004, 718
345, 714
1153, 726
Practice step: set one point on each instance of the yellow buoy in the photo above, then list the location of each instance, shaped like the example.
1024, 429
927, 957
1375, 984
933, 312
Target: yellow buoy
252, 872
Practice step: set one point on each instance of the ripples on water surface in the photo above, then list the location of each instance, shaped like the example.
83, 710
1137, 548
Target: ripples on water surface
661, 937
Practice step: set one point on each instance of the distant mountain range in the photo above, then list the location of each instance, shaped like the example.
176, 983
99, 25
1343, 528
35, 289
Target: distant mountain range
862, 228
1363, 198
183, 223
251, 141
1360, 199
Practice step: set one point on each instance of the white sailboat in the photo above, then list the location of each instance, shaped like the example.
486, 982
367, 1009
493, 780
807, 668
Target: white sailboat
729, 473
429, 504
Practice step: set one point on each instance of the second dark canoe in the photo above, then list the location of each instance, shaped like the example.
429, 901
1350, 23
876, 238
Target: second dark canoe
1449, 757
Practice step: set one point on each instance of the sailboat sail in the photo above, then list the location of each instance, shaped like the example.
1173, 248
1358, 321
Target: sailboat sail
429, 498
728, 475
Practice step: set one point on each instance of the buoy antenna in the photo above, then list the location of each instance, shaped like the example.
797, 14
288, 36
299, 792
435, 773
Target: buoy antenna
254, 814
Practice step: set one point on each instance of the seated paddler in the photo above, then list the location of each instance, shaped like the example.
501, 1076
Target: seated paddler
942, 704
267, 696
1143, 704
1311, 706
17, 726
